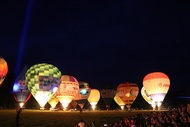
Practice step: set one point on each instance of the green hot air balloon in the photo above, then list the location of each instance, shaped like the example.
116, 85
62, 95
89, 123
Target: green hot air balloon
43, 81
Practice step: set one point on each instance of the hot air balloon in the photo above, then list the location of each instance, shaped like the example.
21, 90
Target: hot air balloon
157, 85
3, 70
107, 96
128, 93
43, 81
83, 94
20, 89
53, 102
119, 101
147, 98
67, 90
93, 98
145, 95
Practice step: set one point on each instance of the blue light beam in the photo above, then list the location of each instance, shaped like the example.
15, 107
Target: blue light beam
23, 36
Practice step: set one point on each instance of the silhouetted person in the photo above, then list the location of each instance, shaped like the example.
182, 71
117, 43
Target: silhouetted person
18, 111
81, 123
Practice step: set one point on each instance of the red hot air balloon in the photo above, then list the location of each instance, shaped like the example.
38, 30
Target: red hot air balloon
3, 70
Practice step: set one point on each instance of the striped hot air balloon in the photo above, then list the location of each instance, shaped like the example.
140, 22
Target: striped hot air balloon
3, 70
43, 81
157, 85
107, 96
128, 93
67, 90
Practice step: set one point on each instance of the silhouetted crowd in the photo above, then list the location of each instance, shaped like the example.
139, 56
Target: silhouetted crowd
177, 117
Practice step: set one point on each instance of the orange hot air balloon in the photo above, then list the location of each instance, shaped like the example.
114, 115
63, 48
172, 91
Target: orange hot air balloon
67, 90
157, 85
128, 93
94, 97
119, 101
3, 70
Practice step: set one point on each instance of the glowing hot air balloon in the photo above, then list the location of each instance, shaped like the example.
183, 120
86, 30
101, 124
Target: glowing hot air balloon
128, 93
119, 101
53, 102
83, 94
147, 98
107, 95
93, 98
157, 85
67, 90
43, 81
3, 70
145, 95
20, 89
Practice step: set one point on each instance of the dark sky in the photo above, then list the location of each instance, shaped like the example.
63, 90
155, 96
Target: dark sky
100, 41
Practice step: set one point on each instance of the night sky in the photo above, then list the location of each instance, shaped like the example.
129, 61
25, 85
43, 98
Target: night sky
99, 42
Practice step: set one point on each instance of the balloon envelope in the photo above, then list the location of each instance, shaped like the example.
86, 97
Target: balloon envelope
157, 85
20, 89
3, 70
43, 81
53, 101
119, 101
83, 94
67, 90
145, 95
107, 95
94, 97
128, 93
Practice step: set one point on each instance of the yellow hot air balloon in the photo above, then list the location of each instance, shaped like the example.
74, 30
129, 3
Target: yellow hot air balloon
93, 98
119, 101
147, 98
53, 102
43, 81
67, 90
145, 95
3, 70
128, 93
157, 85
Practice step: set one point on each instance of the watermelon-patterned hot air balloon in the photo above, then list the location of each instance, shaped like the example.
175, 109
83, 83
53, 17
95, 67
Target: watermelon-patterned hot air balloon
20, 89
157, 85
83, 94
43, 81
67, 90
3, 70
128, 93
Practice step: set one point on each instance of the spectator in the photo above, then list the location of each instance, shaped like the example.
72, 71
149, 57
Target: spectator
81, 123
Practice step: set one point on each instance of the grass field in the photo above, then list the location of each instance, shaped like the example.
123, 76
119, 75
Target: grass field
46, 118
